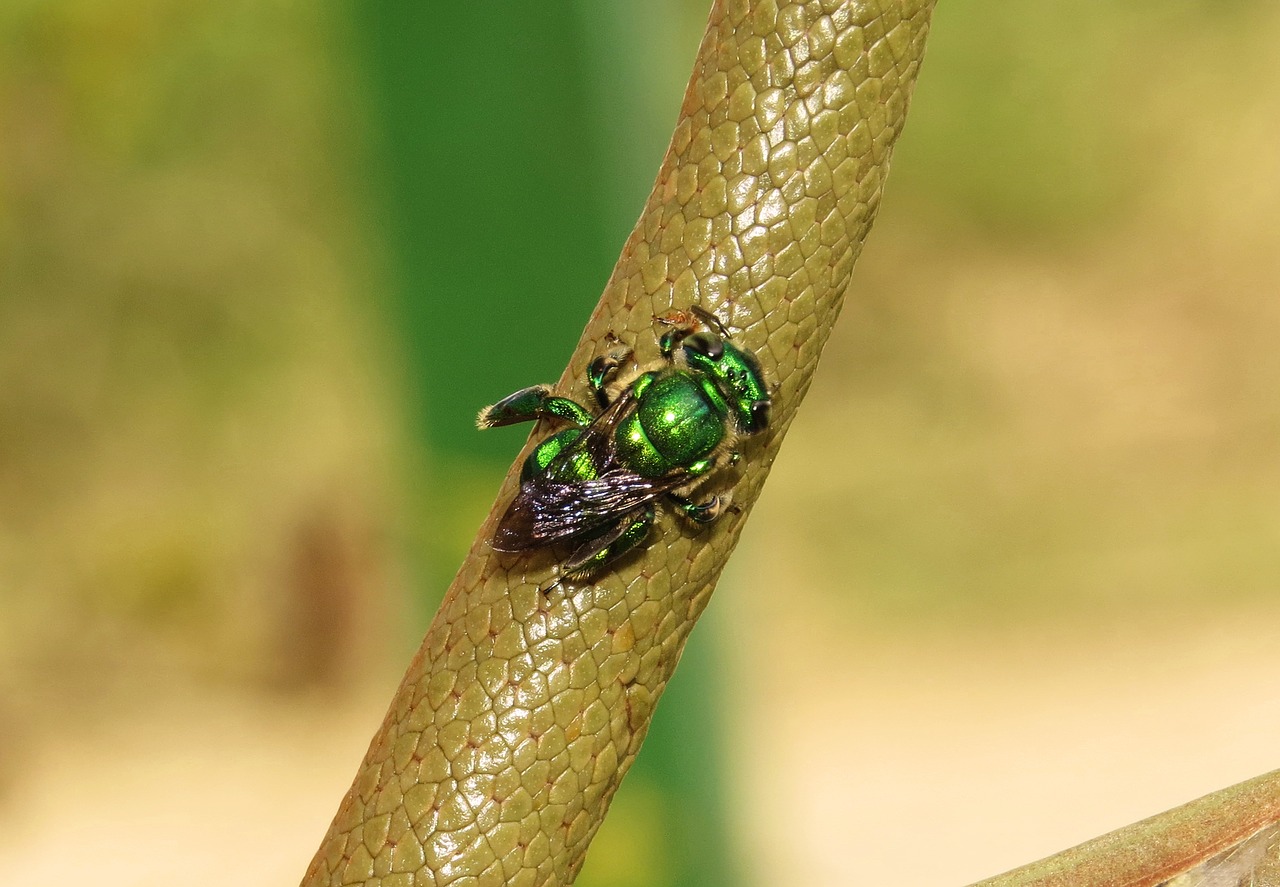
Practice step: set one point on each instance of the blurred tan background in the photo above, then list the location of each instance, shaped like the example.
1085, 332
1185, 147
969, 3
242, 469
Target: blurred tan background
1013, 582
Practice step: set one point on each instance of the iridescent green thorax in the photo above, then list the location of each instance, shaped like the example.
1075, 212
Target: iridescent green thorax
680, 420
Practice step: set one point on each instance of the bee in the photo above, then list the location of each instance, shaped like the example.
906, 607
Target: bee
594, 484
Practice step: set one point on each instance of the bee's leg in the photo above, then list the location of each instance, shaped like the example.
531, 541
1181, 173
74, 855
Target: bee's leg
601, 372
551, 586
534, 402
595, 553
709, 320
698, 512
671, 340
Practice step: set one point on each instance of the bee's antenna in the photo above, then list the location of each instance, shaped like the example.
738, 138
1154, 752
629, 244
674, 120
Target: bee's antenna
710, 320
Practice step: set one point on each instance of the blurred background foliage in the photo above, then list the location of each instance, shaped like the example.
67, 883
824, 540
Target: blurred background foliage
261, 262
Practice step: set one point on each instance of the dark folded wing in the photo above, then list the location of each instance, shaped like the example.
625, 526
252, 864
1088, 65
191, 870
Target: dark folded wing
545, 511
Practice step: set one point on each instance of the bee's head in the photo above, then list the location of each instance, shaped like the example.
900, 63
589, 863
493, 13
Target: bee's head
736, 373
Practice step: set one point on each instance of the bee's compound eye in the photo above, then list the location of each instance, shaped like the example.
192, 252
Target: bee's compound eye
759, 414
706, 344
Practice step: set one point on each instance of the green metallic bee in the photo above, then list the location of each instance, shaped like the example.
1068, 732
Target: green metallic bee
593, 485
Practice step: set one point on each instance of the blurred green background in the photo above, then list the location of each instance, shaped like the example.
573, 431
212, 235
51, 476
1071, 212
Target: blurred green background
260, 263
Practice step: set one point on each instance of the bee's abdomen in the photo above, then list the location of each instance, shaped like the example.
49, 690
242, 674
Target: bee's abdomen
545, 453
679, 420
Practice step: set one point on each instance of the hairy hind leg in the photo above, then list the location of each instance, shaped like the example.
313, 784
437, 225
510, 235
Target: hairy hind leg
534, 402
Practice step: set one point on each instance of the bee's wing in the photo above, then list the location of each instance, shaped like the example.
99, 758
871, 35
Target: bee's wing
548, 509
545, 511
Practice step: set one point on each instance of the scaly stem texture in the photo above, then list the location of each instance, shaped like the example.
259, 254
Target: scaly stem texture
521, 712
